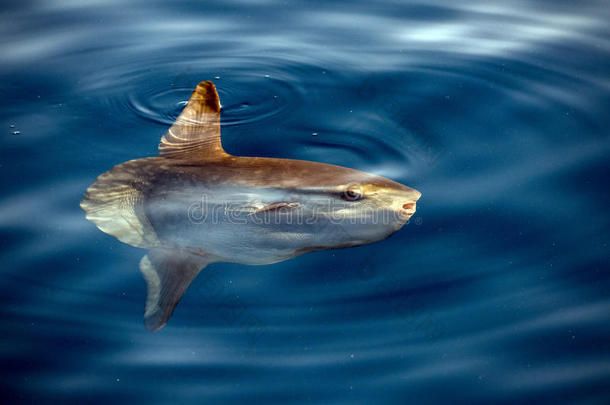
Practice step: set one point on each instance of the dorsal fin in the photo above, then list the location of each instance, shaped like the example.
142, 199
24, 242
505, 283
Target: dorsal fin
197, 128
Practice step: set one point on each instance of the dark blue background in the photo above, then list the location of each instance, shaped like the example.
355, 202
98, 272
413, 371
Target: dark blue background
496, 291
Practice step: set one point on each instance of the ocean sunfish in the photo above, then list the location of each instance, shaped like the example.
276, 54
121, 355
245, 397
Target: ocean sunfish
195, 204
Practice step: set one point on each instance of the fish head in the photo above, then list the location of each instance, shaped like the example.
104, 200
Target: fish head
347, 207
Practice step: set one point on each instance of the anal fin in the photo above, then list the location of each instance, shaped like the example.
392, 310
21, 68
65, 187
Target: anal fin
168, 273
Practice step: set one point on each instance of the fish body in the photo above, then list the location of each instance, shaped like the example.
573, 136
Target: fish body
195, 204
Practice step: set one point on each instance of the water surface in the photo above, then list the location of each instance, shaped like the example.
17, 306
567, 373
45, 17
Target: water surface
496, 291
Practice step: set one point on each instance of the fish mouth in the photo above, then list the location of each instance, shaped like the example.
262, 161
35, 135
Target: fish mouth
409, 205
406, 211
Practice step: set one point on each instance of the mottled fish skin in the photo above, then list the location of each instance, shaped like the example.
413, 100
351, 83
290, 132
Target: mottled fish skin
195, 204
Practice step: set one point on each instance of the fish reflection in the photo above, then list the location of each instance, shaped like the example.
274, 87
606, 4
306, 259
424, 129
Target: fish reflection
195, 204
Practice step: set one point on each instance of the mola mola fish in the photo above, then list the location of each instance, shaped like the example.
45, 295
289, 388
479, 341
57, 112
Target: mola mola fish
195, 204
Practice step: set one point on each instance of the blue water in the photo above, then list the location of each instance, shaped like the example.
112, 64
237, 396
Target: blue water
496, 291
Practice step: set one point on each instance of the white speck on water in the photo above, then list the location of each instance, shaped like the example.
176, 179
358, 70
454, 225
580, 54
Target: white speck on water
351, 356
12, 125
217, 77
16, 132
266, 75
314, 134
118, 380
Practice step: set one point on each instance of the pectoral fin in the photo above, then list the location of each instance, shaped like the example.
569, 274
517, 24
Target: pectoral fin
168, 273
275, 207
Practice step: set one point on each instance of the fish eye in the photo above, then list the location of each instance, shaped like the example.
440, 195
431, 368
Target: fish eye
351, 194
